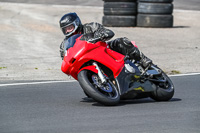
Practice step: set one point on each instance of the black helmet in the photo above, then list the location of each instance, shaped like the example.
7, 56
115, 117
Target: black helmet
70, 23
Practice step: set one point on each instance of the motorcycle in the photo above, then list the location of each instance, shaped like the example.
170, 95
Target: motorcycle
108, 76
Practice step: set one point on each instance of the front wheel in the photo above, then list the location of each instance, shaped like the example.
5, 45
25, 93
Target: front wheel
106, 93
164, 90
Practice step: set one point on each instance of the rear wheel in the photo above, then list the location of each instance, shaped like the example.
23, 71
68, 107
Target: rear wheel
164, 90
106, 94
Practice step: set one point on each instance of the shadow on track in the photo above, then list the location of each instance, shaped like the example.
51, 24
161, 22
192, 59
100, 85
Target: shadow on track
126, 102
181, 27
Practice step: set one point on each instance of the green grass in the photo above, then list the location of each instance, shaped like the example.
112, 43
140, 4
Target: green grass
175, 72
3, 67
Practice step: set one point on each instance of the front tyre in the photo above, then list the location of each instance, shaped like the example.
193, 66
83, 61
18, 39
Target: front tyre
106, 94
164, 91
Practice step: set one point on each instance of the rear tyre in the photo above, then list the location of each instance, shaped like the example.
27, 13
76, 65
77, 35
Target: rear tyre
106, 94
164, 91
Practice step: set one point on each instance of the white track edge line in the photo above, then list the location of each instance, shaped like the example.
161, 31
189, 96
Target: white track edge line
49, 82
33, 83
187, 74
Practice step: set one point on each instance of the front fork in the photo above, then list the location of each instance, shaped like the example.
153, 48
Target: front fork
100, 74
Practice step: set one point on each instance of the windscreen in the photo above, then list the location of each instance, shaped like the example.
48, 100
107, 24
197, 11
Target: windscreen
71, 41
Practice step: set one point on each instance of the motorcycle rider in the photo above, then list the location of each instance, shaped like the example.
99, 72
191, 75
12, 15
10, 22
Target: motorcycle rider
70, 24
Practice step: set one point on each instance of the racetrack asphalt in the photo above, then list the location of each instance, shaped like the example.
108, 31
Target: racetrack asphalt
63, 108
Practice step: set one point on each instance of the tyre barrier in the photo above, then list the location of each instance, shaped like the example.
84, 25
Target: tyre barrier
141, 13
119, 21
119, 13
155, 13
151, 20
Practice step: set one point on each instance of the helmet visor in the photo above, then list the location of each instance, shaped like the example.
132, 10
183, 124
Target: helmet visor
68, 29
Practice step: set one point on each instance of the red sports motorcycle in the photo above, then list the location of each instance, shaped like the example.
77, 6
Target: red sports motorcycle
108, 76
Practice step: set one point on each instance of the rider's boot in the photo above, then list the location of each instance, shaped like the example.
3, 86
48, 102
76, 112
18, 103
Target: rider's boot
145, 61
125, 47
135, 54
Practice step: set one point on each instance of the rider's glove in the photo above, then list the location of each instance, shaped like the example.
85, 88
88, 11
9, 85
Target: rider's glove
93, 40
102, 34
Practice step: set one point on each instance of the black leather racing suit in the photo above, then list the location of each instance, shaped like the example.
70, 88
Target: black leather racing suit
121, 45
90, 30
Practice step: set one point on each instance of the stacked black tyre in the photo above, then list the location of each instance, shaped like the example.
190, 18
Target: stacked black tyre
155, 13
119, 13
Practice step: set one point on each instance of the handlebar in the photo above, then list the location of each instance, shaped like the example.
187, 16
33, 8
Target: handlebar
94, 40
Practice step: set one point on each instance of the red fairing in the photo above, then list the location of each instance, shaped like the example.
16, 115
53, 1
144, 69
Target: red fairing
64, 67
82, 52
91, 68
